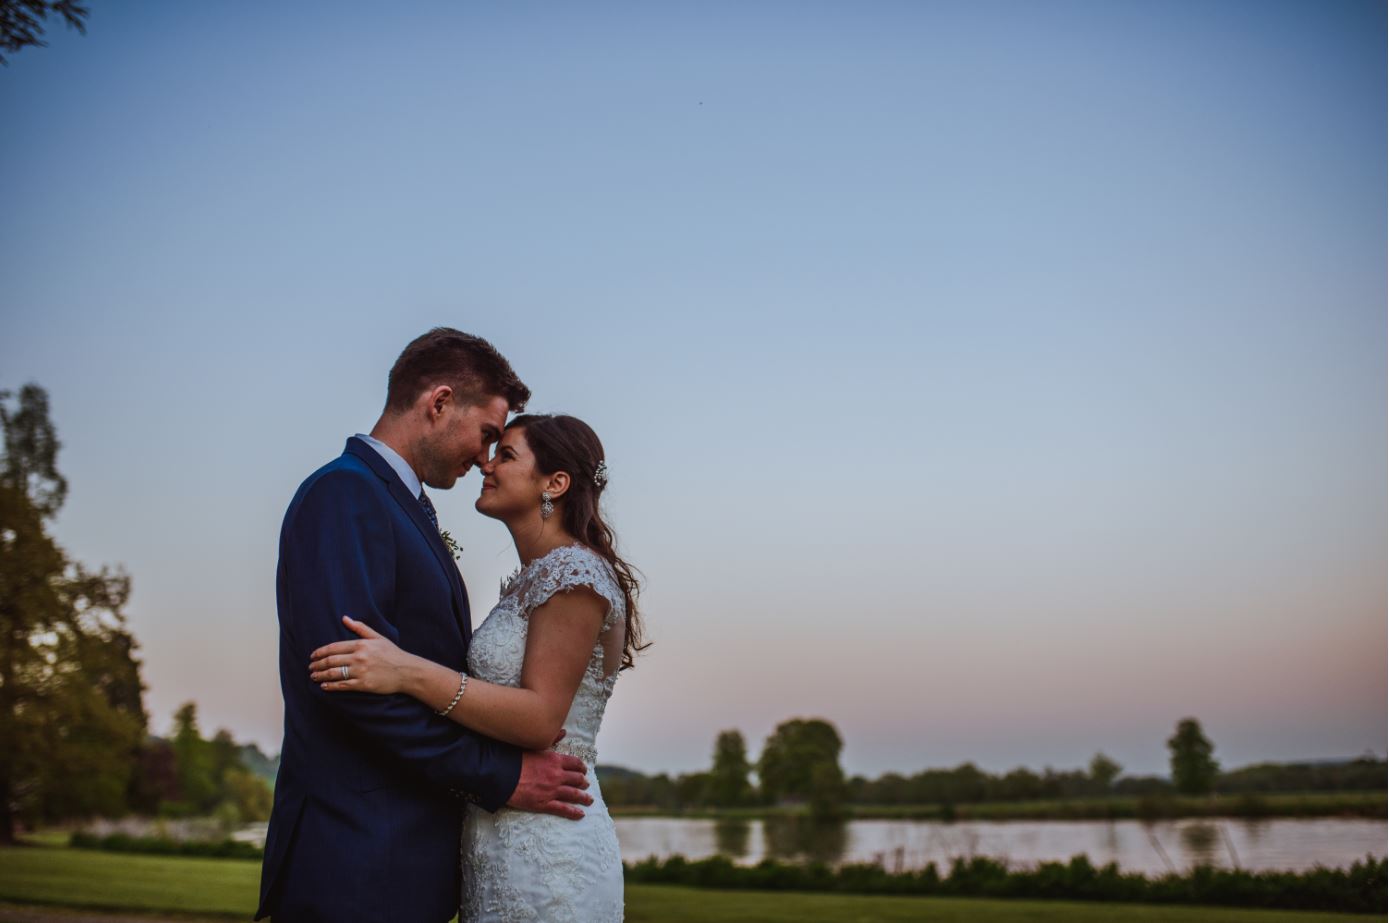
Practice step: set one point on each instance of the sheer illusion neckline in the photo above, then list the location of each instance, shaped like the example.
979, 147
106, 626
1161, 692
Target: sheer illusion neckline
510, 582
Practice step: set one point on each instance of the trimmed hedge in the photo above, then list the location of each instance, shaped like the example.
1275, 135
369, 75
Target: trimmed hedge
163, 846
1359, 889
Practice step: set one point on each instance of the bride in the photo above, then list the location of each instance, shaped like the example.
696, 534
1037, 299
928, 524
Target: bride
542, 664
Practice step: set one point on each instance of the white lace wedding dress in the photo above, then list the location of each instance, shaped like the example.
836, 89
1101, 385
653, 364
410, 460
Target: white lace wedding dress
536, 867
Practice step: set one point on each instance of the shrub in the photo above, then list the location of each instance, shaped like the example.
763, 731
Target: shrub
1359, 889
164, 846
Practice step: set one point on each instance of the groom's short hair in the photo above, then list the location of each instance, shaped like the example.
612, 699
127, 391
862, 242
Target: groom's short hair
468, 364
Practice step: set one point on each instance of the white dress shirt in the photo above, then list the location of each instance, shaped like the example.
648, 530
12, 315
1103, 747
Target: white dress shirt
399, 465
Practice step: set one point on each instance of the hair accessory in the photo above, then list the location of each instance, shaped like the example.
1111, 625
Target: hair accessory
546, 507
600, 474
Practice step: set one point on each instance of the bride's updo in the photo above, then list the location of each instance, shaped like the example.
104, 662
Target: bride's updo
564, 443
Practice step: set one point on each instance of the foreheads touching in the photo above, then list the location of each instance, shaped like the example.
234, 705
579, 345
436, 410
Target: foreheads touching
447, 401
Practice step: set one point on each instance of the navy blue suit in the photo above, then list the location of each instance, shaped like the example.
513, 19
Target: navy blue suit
367, 814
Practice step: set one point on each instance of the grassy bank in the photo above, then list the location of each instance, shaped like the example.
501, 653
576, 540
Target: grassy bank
117, 881
225, 889
652, 903
1358, 889
1283, 804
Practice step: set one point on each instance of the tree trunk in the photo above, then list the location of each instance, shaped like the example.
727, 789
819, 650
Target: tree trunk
6, 811
7, 725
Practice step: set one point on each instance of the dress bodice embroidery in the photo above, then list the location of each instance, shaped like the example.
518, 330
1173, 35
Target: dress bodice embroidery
498, 648
536, 867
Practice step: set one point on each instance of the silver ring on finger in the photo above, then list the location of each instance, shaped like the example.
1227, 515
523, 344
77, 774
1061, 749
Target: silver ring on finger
343, 670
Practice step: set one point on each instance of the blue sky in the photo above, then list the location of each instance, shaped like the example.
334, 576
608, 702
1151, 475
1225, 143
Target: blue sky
1000, 381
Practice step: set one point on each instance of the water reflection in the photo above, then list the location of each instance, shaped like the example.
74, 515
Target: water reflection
1254, 828
1110, 840
1153, 849
803, 839
733, 837
1199, 843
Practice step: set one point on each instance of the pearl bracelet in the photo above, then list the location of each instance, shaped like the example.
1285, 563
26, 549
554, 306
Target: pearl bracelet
462, 684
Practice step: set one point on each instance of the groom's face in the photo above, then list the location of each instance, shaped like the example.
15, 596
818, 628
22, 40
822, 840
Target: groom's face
462, 440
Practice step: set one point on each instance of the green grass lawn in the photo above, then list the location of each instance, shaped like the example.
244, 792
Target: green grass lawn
669, 904
120, 881
226, 889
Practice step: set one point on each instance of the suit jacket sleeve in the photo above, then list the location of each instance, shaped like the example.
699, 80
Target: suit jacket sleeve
339, 559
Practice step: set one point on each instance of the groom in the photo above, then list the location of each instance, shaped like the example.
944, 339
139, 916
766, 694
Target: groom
367, 819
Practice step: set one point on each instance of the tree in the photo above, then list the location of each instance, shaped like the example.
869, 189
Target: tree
1020, 784
828, 790
22, 21
691, 789
250, 795
88, 713
225, 756
249, 755
71, 718
196, 761
800, 761
967, 783
1194, 770
156, 777
1103, 772
728, 782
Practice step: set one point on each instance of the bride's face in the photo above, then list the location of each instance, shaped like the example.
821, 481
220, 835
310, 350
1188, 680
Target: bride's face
511, 485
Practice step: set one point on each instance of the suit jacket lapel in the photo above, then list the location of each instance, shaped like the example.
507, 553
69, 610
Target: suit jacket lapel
415, 510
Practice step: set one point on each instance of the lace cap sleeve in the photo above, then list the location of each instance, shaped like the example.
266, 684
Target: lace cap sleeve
565, 569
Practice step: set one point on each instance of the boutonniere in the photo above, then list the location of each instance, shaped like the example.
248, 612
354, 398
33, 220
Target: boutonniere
451, 544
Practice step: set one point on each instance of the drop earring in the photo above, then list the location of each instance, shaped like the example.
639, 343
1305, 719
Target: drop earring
546, 507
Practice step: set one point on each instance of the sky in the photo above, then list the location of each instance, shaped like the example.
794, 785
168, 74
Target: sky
1000, 381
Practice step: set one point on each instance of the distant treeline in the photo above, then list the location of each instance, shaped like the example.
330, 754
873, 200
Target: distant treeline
968, 784
1371, 804
799, 765
189, 775
1366, 774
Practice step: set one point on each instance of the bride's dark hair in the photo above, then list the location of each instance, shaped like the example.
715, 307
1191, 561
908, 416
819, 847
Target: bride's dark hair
568, 444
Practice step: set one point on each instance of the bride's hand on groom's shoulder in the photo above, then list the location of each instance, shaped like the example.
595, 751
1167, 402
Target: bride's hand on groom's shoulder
372, 664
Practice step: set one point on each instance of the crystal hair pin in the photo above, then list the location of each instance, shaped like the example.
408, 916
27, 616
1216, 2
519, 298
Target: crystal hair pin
600, 474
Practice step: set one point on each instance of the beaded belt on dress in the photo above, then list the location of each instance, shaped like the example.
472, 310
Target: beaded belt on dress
586, 752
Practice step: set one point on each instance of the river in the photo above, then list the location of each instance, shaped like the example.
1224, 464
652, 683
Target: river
1288, 844
1263, 844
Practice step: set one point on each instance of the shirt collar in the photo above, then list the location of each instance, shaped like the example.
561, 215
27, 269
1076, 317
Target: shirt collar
399, 465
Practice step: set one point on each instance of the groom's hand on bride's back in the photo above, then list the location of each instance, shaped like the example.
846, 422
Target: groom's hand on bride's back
551, 783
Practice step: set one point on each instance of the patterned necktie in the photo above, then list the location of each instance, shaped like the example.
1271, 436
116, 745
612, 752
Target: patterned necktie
429, 509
